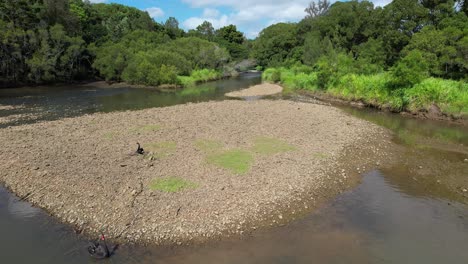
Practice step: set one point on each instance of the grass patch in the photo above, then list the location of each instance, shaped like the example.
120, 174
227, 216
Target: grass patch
208, 146
236, 160
109, 135
376, 89
199, 76
171, 184
269, 146
161, 149
146, 128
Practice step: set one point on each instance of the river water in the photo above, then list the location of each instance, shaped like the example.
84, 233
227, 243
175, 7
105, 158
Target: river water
415, 212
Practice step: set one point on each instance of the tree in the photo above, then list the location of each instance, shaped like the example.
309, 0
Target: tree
275, 44
317, 9
172, 29
206, 30
233, 40
410, 70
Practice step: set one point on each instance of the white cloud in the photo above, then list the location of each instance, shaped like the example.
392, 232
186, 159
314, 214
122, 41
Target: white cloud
210, 12
251, 16
97, 1
381, 3
155, 12
193, 22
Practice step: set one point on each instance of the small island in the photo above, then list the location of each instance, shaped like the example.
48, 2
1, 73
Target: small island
224, 169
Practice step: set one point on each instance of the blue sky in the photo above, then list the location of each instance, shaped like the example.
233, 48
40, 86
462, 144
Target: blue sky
249, 16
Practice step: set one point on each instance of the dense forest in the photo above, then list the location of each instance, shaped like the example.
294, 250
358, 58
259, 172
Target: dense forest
47, 41
409, 55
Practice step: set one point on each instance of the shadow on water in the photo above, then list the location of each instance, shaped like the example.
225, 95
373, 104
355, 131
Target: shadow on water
414, 212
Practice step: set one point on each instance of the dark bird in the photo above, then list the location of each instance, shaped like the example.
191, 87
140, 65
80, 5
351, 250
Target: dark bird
99, 249
140, 150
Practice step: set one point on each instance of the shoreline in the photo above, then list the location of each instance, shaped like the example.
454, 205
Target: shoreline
91, 163
424, 115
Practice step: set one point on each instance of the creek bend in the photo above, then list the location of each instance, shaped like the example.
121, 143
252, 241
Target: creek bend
389, 218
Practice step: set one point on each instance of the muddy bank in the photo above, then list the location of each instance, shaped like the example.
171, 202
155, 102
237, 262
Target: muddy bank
263, 89
209, 169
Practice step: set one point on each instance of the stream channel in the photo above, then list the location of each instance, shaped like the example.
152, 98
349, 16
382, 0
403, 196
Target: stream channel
415, 212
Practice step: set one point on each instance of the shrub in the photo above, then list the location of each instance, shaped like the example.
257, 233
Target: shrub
409, 71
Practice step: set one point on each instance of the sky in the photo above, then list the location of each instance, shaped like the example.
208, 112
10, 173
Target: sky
250, 17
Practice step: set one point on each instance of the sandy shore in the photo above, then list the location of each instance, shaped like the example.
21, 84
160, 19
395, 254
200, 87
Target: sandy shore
263, 89
85, 171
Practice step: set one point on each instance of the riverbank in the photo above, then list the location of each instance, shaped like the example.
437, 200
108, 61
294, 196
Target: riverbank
224, 169
432, 98
433, 113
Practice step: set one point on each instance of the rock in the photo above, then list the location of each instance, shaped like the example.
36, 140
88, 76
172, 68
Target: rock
465, 190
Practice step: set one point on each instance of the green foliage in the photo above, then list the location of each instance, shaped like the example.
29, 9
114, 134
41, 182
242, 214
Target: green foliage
450, 96
270, 146
236, 160
275, 44
379, 90
171, 184
332, 67
411, 70
199, 76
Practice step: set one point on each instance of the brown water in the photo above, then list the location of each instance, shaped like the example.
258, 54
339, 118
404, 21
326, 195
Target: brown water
415, 212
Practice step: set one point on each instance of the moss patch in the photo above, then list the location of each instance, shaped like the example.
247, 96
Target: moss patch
208, 146
109, 135
161, 149
269, 146
238, 161
171, 184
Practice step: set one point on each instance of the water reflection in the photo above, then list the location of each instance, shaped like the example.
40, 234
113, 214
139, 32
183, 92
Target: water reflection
29, 105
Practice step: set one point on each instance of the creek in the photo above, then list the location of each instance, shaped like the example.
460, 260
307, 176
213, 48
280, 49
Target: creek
413, 212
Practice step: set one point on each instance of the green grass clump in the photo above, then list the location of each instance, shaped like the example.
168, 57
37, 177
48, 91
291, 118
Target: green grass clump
171, 184
236, 160
208, 146
297, 78
451, 96
269, 146
376, 89
109, 135
161, 149
199, 76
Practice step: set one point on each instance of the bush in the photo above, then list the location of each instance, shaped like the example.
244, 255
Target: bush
450, 96
198, 76
409, 71
272, 75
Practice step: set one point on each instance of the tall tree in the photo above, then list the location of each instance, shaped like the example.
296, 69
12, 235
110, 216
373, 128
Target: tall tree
316, 9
